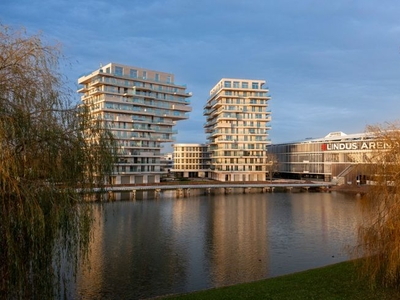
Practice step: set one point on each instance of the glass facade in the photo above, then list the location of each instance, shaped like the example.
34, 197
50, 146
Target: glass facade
324, 159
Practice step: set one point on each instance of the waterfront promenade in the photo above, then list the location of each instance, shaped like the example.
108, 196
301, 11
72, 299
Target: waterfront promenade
203, 185
183, 188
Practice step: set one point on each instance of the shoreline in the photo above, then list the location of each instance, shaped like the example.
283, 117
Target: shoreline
353, 189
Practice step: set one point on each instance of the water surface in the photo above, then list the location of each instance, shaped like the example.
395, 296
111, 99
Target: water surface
146, 248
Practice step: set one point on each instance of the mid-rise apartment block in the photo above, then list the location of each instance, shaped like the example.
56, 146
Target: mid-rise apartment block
141, 107
191, 160
237, 124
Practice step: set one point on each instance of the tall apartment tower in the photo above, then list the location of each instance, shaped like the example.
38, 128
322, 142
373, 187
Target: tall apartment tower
237, 124
141, 107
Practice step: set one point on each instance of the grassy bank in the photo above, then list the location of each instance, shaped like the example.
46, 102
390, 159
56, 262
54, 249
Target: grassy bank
339, 281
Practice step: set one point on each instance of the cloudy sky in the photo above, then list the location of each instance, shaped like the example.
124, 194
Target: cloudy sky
329, 65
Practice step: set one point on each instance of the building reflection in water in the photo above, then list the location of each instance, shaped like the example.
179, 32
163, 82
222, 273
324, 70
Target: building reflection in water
147, 248
313, 230
237, 244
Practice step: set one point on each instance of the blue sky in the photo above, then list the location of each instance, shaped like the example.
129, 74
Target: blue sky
329, 65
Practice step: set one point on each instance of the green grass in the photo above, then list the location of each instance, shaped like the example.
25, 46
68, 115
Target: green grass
339, 281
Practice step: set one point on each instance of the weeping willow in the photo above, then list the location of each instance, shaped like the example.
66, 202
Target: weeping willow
52, 154
379, 233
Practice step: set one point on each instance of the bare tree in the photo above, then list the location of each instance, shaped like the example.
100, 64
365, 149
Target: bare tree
272, 165
379, 234
49, 149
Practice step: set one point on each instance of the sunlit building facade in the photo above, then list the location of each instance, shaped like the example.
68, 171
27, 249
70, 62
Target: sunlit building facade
191, 160
237, 124
141, 107
337, 157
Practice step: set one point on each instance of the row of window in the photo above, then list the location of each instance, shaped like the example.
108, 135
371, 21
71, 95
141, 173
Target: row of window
133, 73
240, 152
240, 124
147, 119
245, 108
188, 154
161, 96
190, 149
142, 135
243, 85
190, 160
139, 109
243, 115
138, 144
125, 83
314, 158
240, 168
223, 100
124, 169
191, 167
241, 101
230, 138
149, 128
245, 94
139, 160
240, 131
238, 161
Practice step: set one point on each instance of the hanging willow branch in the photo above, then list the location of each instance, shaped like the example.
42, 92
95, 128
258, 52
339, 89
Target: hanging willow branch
379, 233
49, 149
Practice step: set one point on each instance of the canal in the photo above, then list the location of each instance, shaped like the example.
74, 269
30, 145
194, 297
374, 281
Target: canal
147, 248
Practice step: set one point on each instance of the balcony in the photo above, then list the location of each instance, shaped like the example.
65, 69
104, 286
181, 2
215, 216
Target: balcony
95, 91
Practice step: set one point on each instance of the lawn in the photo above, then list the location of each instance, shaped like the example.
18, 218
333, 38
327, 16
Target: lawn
338, 281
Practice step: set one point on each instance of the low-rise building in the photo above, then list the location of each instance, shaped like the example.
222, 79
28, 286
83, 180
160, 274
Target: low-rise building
191, 160
336, 157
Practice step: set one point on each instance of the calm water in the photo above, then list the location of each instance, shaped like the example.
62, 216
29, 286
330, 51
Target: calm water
147, 248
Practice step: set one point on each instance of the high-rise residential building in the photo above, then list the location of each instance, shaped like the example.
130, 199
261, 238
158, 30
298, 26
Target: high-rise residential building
237, 124
191, 160
141, 107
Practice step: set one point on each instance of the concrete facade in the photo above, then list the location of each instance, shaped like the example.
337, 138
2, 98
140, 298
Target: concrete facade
140, 106
191, 160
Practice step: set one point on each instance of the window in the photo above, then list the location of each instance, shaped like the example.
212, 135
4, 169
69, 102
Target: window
157, 77
227, 84
169, 79
245, 85
118, 71
133, 73
236, 84
254, 85
144, 74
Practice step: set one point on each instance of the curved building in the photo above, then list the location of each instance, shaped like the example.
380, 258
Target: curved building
336, 157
